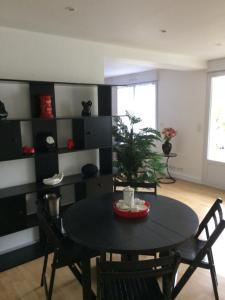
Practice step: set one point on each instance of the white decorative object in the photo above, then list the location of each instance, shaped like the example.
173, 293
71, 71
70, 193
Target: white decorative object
128, 196
57, 178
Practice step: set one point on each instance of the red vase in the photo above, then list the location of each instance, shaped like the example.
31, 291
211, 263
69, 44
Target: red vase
46, 107
70, 144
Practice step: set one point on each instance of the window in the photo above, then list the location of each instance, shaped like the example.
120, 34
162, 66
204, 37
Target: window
140, 100
216, 134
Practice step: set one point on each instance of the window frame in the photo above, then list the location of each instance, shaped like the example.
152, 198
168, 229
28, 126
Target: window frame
211, 75
154, 82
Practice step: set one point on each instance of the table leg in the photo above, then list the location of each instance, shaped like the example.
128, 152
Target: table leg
86, 279
167, 281
169, 178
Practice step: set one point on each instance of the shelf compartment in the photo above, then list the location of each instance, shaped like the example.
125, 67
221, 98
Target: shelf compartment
105, 100
11, 145
36, 90
39, 187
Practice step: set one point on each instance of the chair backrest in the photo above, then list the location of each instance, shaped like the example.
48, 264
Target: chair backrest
48, 228
150, 186
214, 218
109, 272
215, 214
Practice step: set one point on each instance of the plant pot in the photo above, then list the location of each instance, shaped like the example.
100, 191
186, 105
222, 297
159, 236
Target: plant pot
166, 147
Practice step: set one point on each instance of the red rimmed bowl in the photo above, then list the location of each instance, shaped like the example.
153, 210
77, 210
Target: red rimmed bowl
131, 214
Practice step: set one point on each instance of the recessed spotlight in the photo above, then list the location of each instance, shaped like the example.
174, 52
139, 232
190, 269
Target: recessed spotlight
163, 30
218, 44
71, 9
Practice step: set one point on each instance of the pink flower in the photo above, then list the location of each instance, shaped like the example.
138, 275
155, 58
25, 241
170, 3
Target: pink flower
169, 133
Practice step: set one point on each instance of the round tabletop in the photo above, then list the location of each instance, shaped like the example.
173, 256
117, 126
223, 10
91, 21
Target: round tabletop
92, 223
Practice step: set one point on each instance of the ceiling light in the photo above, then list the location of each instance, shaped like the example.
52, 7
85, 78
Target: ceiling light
218, 44
71, 9
163, 30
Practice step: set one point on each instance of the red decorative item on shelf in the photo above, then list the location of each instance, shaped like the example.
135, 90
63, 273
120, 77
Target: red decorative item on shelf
131, 214
46, 106
70, 144
28, 150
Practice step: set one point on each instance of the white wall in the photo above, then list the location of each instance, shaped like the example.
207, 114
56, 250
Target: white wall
35, 56
181, 104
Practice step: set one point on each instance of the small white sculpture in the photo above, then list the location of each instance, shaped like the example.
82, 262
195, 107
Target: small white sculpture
57, 178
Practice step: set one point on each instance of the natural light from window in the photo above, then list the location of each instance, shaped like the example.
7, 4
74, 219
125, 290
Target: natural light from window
216, 138
140, 100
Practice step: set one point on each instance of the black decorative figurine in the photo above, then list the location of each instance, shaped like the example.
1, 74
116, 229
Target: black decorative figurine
86, 108
3, 112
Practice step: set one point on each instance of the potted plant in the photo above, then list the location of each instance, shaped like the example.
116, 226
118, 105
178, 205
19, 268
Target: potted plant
137, 158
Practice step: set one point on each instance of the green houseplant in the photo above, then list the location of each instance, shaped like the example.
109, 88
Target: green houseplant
137, 158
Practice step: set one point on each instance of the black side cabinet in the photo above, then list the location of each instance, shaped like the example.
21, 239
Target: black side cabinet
99, 185
93, 132
12, 214
10, 135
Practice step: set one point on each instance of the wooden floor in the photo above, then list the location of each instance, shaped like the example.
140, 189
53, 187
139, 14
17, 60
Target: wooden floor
23, 282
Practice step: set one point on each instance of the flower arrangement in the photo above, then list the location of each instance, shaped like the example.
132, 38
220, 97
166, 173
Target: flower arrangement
169, 133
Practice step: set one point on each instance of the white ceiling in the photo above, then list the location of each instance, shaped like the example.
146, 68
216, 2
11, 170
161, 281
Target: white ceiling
194, 27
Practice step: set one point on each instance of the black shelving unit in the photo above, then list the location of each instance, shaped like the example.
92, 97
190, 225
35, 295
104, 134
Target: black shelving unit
88, 132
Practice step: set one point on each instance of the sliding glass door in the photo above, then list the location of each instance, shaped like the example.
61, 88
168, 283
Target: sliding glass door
214, 171
216, 133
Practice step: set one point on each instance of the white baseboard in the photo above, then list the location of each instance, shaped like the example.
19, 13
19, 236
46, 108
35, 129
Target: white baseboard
198, 180
186, 177
18, 247
214, 185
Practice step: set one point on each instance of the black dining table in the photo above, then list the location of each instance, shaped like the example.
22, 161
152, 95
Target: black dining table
92, 223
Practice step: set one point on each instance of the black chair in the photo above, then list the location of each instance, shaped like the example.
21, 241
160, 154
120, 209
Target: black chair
198, 252
136, 280
150, 186
65, 252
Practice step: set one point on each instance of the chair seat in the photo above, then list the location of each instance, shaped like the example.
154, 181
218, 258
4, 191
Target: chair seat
71, 253
132, 289
189, 250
